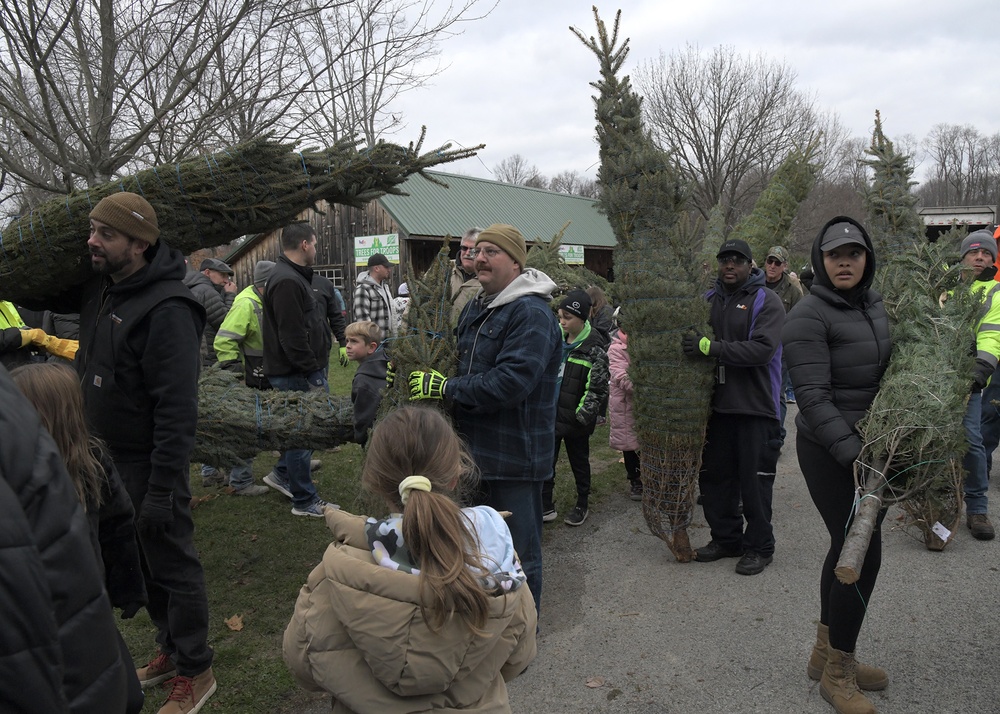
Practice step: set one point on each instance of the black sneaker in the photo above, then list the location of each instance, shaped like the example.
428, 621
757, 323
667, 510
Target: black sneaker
576, 517
635, 490
753, 563
713, 551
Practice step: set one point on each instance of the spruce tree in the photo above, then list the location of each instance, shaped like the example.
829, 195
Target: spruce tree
659, 278
912, 433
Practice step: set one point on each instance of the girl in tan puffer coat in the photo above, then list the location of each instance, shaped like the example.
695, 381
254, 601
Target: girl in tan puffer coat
425, 609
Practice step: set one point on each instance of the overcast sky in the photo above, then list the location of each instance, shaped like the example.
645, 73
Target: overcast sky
518, 81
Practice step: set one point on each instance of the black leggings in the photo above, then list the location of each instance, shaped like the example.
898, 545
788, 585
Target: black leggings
831, 486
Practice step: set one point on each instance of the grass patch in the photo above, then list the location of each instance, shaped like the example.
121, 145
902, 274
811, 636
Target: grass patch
257, 555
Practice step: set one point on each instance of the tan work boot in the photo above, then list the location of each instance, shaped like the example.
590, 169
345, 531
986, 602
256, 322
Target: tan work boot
189, 694
839, 686
159, 669
979, 524
870, 679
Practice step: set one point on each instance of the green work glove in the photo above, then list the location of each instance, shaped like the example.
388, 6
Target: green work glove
427, 385
344, 361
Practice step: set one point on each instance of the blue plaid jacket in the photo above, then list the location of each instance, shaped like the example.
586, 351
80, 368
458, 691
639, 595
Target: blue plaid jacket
504, 396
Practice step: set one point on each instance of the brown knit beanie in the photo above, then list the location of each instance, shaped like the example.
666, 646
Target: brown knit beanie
129, 213
508, 238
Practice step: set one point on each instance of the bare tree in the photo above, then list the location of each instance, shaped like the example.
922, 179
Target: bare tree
574, 183
964, 167
95, 87
727, 120
516, 169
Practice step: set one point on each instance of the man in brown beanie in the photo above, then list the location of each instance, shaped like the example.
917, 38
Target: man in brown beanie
504, 397
140, 335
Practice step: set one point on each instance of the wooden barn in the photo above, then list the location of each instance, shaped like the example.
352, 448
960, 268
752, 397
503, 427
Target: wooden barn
420, 221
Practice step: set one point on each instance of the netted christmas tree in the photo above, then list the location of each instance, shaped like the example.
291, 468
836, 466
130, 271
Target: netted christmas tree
546, 257
236, 422
772, 215
208, 201
912, 435
659, 280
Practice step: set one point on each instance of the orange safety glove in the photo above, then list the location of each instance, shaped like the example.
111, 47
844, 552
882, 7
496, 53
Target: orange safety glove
60, 347
32, 336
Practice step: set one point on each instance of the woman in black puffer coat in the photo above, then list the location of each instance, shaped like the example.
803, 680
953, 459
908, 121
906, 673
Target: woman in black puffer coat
837, 346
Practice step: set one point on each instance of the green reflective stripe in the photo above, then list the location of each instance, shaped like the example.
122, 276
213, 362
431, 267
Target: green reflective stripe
586, 390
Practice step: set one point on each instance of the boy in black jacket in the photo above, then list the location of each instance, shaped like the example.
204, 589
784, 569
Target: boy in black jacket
363, 346
583, 392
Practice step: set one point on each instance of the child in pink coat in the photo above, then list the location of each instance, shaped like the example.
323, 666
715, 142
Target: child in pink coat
620, 412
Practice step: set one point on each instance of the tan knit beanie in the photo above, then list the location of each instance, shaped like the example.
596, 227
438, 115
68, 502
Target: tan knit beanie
508, 238
129, 213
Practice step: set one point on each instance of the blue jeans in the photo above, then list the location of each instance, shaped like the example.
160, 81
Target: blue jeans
241, 475
990, 422
974, 462
524, 501
293, 466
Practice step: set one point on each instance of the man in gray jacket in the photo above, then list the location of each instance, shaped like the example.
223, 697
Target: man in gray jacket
214, 288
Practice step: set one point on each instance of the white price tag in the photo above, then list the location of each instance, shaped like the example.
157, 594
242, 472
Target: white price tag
941, 532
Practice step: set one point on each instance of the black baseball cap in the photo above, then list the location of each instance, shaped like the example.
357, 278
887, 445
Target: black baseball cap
735, 246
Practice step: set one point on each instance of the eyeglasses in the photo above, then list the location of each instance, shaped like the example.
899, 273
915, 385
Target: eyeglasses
774, 261
490, 253
734, 259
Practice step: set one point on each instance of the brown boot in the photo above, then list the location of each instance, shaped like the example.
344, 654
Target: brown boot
839, 686
871, 679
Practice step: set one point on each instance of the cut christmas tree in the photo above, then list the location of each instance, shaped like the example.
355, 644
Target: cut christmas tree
209, 201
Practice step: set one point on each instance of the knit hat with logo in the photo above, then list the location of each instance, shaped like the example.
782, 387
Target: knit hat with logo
130, 214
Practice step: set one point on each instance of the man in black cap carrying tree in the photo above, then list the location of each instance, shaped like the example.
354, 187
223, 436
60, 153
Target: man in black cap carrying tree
746, 320
372, 297
138, 361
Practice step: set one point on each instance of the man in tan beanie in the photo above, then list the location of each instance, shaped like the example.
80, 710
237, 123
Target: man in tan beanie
140, 335
504, 399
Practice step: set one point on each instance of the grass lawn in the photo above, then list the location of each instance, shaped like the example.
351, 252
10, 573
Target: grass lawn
257, 555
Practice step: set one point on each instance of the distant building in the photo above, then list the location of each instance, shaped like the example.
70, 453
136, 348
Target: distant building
940, 219
423, 218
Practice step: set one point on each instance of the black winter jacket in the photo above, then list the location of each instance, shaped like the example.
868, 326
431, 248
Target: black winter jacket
366, 393
326, 295
139, 360
747, 344
294, 326
837, 348
583, 388
58, 642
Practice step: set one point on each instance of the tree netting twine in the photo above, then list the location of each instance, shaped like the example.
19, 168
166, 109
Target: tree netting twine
208, 201
236, 422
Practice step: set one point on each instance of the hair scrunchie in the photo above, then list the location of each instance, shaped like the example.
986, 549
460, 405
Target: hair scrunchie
420, 483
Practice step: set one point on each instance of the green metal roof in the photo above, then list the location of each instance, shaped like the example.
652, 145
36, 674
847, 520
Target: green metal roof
432, 210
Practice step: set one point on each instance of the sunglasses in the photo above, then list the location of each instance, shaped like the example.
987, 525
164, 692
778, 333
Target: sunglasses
774, 261
734, 259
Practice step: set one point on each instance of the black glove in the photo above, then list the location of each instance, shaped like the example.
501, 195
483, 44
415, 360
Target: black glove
316, 381
130, 610
232, 365
696, 344
981, 374
156, 512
